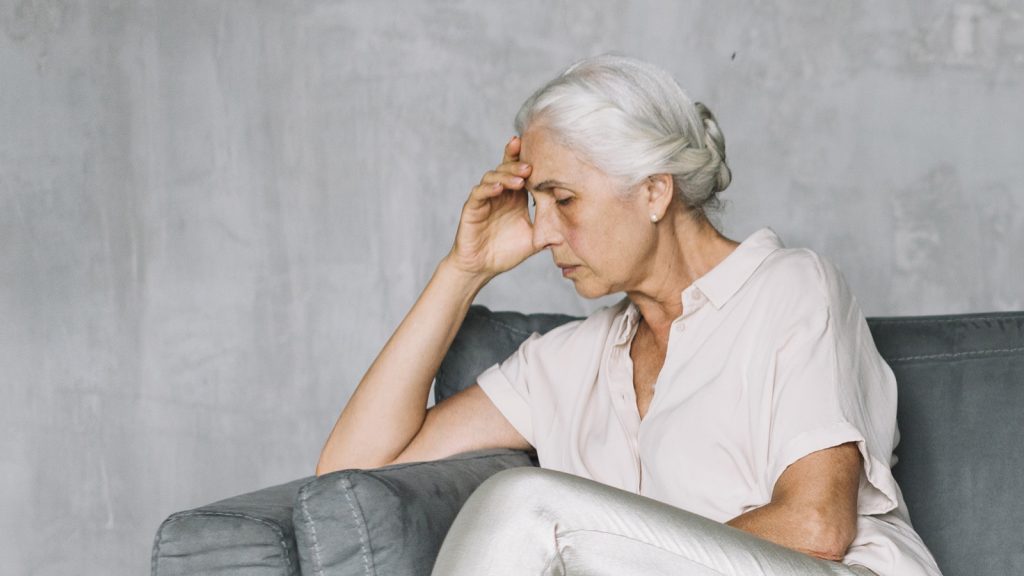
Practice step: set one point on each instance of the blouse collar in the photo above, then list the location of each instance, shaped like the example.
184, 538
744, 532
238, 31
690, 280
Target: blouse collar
719, 284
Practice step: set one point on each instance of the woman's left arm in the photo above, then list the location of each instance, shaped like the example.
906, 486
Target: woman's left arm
814, 504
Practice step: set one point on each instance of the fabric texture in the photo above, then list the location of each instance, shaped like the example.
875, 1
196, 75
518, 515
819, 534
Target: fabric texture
770, 361
247, 535
390, 520
548, 523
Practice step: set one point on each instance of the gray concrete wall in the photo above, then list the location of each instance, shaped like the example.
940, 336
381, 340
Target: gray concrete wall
212, 214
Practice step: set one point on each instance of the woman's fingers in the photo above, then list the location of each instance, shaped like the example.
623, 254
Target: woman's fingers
509, 175
488, 190
519, 170
508, 179
512, 150
485, 192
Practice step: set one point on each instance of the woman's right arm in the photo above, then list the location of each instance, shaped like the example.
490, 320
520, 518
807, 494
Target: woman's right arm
386, 420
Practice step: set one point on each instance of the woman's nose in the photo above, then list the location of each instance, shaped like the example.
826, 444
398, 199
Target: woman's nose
546, 226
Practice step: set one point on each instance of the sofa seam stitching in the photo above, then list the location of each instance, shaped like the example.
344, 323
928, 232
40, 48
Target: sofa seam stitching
318, 566
364, 540
950, 355
199, 513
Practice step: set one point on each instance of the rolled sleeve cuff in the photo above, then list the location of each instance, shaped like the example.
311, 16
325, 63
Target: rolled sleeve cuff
878, 501
509, 402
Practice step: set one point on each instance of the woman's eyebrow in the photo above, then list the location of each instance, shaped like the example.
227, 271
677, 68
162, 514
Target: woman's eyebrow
549, 184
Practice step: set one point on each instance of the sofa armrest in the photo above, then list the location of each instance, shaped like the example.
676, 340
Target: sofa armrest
250, 534
390, 520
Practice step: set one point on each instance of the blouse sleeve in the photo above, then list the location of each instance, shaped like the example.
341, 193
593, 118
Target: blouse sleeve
506, 385
832, 387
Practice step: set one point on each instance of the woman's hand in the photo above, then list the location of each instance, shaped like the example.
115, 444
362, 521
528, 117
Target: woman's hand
495, 233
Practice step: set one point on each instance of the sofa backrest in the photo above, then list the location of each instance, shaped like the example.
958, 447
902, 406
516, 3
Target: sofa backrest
961, 419
484, 339
960, 414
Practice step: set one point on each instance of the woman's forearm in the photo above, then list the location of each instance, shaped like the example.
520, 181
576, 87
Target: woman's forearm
800, 530
388, 407
814, 504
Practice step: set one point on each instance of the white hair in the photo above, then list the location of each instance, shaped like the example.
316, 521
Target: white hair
631, 120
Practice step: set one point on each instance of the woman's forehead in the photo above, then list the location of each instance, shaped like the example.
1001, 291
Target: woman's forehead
554, 165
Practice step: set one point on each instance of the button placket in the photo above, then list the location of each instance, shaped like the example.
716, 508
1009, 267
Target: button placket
618, 378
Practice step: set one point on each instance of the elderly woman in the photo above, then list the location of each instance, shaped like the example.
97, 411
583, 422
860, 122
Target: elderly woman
730, 415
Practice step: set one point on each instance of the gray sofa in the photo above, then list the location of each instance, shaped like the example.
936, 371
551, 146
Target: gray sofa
961, 460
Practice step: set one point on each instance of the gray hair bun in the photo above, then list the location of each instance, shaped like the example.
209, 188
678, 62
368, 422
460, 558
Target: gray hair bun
714, 141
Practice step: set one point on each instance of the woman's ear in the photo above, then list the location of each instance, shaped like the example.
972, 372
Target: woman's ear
659, 189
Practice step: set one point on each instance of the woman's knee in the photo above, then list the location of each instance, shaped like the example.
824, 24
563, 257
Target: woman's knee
521, 488
508, 502
508, 522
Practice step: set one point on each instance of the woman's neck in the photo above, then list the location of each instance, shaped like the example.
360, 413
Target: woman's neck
688, 247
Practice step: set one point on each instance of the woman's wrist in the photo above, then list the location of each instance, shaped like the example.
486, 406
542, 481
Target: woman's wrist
473, 282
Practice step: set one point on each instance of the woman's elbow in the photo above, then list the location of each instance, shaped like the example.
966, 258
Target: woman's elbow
325, 464
332, 461
829, 537
323, 467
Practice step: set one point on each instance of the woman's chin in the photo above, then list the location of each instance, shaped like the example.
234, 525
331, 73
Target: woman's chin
589, 291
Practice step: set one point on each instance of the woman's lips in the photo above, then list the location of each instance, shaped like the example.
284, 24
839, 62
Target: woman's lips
566, 270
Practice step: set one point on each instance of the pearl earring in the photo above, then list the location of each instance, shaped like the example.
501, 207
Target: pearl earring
654, 218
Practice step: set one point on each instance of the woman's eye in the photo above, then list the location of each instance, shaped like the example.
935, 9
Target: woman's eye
563, 201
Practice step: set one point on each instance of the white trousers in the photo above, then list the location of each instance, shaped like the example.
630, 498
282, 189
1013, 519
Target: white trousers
532, 522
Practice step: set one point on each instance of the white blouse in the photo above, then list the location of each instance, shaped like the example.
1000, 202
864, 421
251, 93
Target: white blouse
771, 360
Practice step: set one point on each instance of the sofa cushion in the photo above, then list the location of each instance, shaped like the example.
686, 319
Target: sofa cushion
247, 535
960, 414
390, 520
485, 339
